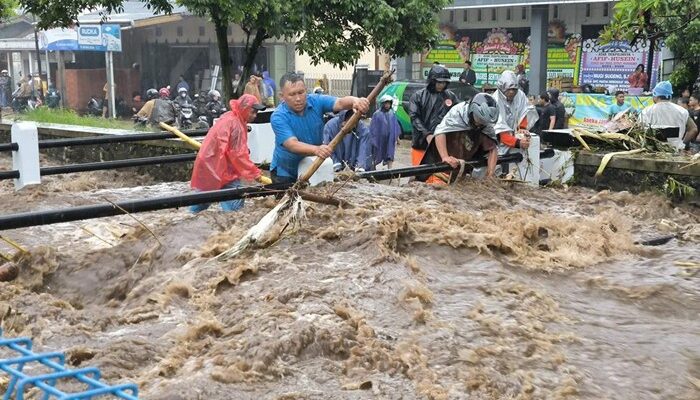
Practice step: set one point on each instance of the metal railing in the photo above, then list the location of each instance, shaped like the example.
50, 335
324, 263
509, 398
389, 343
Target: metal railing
24, 358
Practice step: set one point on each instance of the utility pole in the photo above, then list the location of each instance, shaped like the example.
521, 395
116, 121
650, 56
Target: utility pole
38, 57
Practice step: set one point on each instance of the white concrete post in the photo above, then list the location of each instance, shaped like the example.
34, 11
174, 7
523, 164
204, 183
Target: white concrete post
529, 167
26, 158
323, 174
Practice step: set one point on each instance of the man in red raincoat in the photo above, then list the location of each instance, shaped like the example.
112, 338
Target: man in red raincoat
224, 159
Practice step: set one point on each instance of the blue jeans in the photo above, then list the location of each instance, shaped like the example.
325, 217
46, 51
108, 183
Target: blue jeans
229, 205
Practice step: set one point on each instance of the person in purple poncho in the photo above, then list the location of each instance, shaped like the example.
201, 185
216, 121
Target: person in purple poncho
384, 131
354, 152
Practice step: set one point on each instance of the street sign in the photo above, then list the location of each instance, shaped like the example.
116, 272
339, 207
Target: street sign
90, 37
83, 38
112, 37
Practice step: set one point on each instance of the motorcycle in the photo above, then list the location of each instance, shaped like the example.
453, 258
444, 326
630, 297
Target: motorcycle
214, 110
22, 104
140, 121
186, 118
94, 107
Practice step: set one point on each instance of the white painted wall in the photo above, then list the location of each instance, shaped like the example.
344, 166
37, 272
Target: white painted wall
303, 63
574, 15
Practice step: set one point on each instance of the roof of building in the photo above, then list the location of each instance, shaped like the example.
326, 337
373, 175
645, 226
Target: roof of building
134, 13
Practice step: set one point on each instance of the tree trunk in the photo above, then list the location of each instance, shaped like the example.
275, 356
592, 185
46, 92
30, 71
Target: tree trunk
221, 28
250, 52
650, 62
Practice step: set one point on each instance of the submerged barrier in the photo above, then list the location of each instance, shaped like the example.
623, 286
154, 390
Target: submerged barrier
24, 358
25, 146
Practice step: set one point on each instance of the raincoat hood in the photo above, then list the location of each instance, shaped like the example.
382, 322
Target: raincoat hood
508, 80
240, 107
457, 120
224, 156
510, 113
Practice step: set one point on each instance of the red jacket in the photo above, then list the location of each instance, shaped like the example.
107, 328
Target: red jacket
224, 156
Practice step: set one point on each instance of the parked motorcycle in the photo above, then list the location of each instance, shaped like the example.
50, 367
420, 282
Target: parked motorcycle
94, 106
187, 119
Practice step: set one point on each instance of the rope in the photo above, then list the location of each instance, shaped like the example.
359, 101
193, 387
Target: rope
462, 166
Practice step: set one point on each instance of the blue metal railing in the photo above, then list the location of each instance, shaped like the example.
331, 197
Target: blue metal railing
19, 381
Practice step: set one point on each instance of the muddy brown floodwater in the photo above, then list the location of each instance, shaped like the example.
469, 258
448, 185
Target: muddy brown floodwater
478, 291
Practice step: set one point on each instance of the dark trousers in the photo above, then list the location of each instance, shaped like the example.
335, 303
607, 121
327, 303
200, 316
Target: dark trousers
280, 179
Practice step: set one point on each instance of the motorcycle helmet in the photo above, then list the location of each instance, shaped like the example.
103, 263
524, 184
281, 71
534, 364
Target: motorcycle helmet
164, 93
438, 73
151, 94
318, 90
214, 95
386, 98
182, 90
483, 109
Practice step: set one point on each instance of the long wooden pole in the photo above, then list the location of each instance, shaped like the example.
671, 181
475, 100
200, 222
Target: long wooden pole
349, 126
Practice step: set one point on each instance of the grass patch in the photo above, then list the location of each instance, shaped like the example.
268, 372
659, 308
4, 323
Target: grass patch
70, 117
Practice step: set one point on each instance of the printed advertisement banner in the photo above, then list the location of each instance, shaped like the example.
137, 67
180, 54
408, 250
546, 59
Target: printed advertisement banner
488, 67
105, 37
495, 54
563, 60
593, 110
610, 65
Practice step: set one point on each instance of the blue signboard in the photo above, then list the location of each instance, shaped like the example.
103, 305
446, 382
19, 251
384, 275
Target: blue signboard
83, 38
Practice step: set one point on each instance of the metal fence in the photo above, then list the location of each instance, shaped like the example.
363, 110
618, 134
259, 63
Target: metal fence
337, 85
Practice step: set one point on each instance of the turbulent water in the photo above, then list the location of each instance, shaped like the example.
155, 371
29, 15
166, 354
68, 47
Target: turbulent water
480, 291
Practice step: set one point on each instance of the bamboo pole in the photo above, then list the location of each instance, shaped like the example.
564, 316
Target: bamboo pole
349, 126
193, 143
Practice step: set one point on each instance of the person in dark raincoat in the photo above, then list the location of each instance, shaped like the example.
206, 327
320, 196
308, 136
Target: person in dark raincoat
384, 131
466, 133
427, 107
354, 151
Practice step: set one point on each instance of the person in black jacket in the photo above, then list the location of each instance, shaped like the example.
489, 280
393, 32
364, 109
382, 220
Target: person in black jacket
468, 76
427, 107
560, 114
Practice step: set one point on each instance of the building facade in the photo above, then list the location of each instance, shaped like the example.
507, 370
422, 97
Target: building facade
500, 34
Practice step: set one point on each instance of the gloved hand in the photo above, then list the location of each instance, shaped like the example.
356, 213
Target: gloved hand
264, 180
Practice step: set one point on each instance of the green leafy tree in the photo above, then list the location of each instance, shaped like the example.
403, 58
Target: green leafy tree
7, 9
676, 22
336, 31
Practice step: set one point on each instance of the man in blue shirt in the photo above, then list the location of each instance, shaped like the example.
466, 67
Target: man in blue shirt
298, 125
619, 104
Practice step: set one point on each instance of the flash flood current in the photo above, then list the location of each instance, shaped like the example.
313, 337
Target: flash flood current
477, 291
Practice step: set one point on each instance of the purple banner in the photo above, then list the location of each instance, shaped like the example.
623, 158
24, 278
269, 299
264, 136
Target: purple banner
611, 64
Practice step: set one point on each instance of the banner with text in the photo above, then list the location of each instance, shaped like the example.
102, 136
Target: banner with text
610, 65
593, 110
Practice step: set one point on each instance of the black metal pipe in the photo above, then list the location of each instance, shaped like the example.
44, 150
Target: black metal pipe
431, 168
23, 220
27, 219
102, 165
93, 140
12, 146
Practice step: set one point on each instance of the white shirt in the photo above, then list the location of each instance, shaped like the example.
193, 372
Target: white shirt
665, 114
